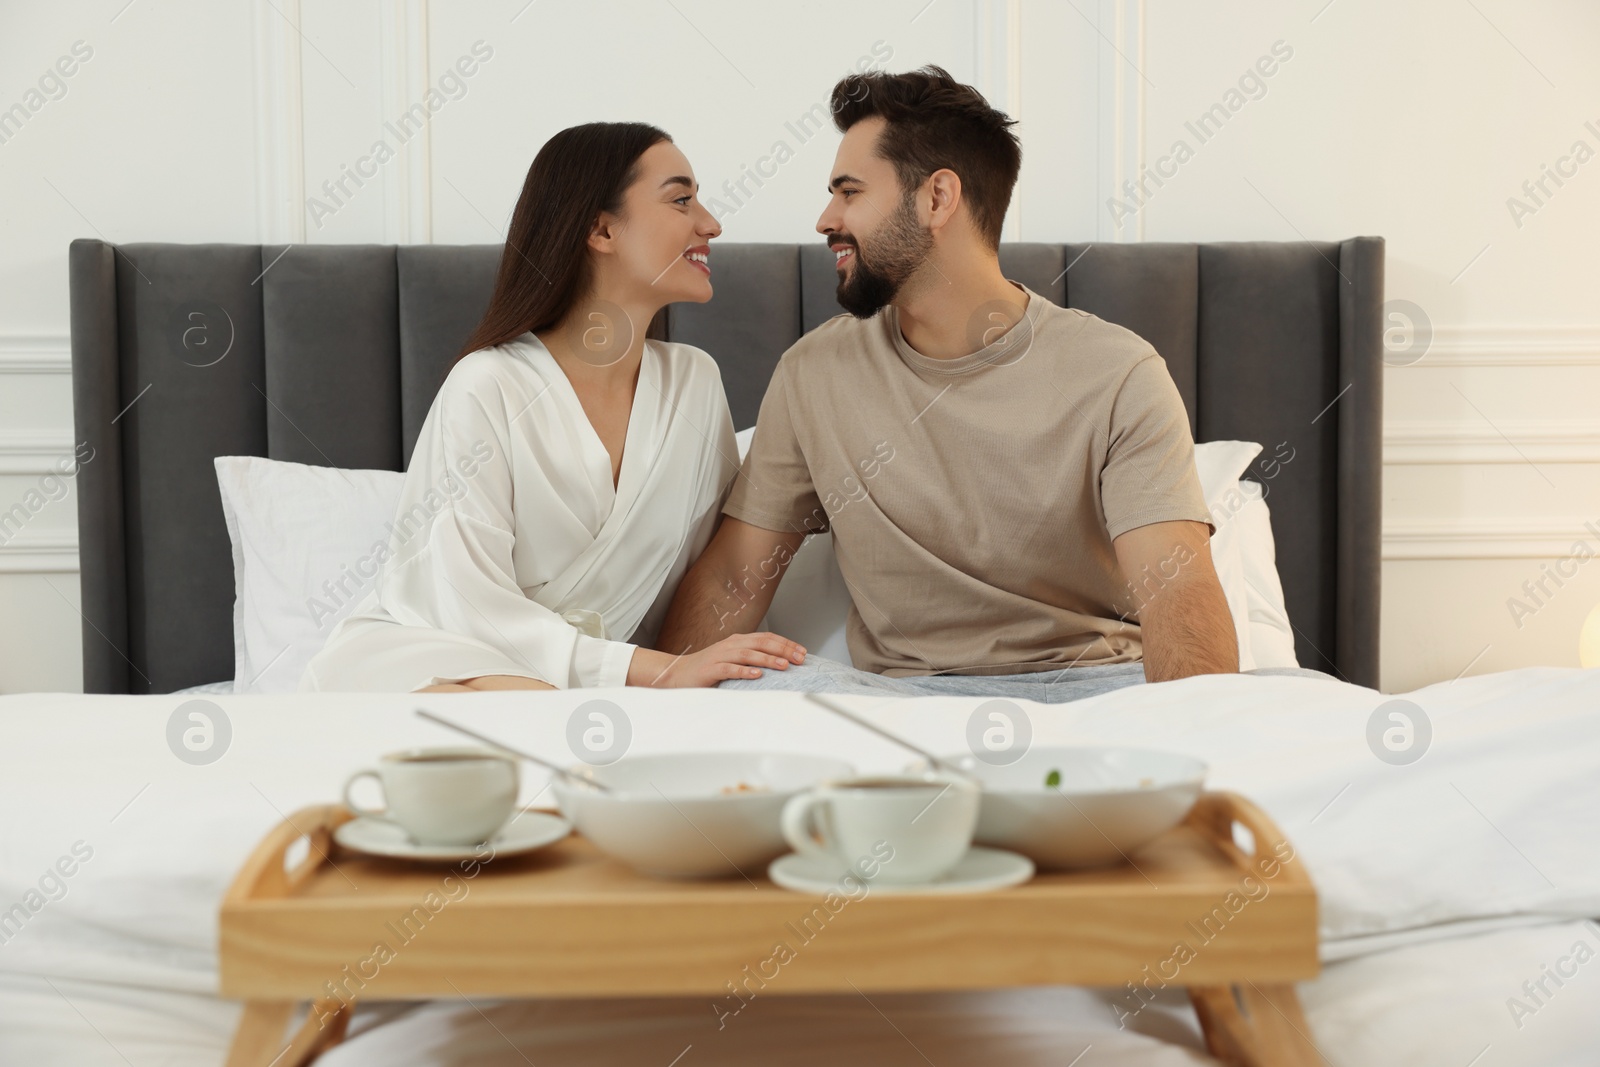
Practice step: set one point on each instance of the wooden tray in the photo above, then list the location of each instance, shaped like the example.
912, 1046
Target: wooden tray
1191, 909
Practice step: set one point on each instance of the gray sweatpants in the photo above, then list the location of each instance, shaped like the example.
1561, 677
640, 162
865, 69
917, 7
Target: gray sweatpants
820, 675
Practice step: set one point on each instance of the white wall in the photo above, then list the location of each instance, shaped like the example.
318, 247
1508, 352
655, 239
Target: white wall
1418, 121
204, 122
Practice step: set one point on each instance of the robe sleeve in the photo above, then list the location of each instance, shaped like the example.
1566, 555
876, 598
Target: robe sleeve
452, 568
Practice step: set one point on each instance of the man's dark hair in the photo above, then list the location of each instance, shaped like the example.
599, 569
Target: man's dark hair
935, 122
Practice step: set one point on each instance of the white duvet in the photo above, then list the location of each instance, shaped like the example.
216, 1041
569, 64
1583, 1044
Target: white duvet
1498, 824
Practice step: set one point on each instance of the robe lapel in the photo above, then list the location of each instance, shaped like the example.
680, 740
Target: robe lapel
592, 473
642, 449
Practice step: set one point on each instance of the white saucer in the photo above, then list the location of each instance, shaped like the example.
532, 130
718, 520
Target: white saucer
524, 833
979, 870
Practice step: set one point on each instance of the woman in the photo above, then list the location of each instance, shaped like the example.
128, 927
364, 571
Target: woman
568, 470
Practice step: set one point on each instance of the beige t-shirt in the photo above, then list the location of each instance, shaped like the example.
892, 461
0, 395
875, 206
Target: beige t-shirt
973, 501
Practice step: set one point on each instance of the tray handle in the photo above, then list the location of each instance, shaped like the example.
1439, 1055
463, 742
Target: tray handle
265, 874
1215, 814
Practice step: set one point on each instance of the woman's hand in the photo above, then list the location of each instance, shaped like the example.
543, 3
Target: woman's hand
739, 656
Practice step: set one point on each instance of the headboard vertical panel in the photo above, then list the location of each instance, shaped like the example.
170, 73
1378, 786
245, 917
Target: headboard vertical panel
1259, 303
1038, 266
444, 291
1115, 282
96, 401
1359, 554
333, 385
753, 318
192, 358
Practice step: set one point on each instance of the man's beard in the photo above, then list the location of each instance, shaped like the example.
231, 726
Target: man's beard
898, 249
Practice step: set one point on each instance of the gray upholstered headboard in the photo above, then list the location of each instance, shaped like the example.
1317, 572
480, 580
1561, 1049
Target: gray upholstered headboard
331, 354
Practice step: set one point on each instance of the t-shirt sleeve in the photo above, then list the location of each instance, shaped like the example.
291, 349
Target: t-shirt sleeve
773, 489
1149, 474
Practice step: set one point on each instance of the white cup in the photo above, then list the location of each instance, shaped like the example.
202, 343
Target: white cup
911, 829
443, 796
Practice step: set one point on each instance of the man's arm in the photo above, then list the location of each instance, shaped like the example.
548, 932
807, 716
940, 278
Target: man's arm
1183, 614
729, 588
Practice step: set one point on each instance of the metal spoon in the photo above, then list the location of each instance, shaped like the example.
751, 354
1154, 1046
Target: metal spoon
933, 761
546, 764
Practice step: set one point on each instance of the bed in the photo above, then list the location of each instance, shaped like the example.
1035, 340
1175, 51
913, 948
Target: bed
1444, 886
1452, 888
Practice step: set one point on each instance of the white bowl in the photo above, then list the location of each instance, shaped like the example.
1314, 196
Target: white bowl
668, 817
1109, 803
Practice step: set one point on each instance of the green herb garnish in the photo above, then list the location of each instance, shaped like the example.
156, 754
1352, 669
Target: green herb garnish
1052, 779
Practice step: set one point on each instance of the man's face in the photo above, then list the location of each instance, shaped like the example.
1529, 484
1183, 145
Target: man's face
877, 240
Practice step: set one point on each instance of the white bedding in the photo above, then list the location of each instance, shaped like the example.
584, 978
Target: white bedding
1439, 1003
1498, 824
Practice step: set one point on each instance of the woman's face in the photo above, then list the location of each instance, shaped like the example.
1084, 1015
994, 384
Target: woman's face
659, 248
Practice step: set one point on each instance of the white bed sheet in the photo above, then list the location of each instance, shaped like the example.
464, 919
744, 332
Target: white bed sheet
1441, 1003
1498, 824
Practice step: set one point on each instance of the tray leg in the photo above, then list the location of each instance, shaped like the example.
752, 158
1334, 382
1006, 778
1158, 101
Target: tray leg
259, 1039
1253, 1025
259, 1036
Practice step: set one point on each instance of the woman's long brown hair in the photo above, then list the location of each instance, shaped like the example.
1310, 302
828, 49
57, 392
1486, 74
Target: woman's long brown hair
545, 268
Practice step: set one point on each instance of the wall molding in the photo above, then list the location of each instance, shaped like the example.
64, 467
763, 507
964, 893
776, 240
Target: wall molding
407, 186
1476, 442
1120, 59
997, 59
280, 124
1511, 346
1487, 539
45, 552
35, 354
33, 452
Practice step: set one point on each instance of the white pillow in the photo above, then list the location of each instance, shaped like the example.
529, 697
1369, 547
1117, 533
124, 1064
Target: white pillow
1245, 554
1271, 636
812, 603
303, 537
1220, 464
306, 541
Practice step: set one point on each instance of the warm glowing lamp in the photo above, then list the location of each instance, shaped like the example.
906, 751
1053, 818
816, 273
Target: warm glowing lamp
1589, 640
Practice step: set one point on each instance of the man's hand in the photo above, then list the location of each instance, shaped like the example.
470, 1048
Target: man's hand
729, 588
740, 656
1182, 612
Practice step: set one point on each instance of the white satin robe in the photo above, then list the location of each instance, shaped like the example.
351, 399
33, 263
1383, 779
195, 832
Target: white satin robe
511, 553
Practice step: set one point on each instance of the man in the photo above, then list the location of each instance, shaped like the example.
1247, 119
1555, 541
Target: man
1010, 484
